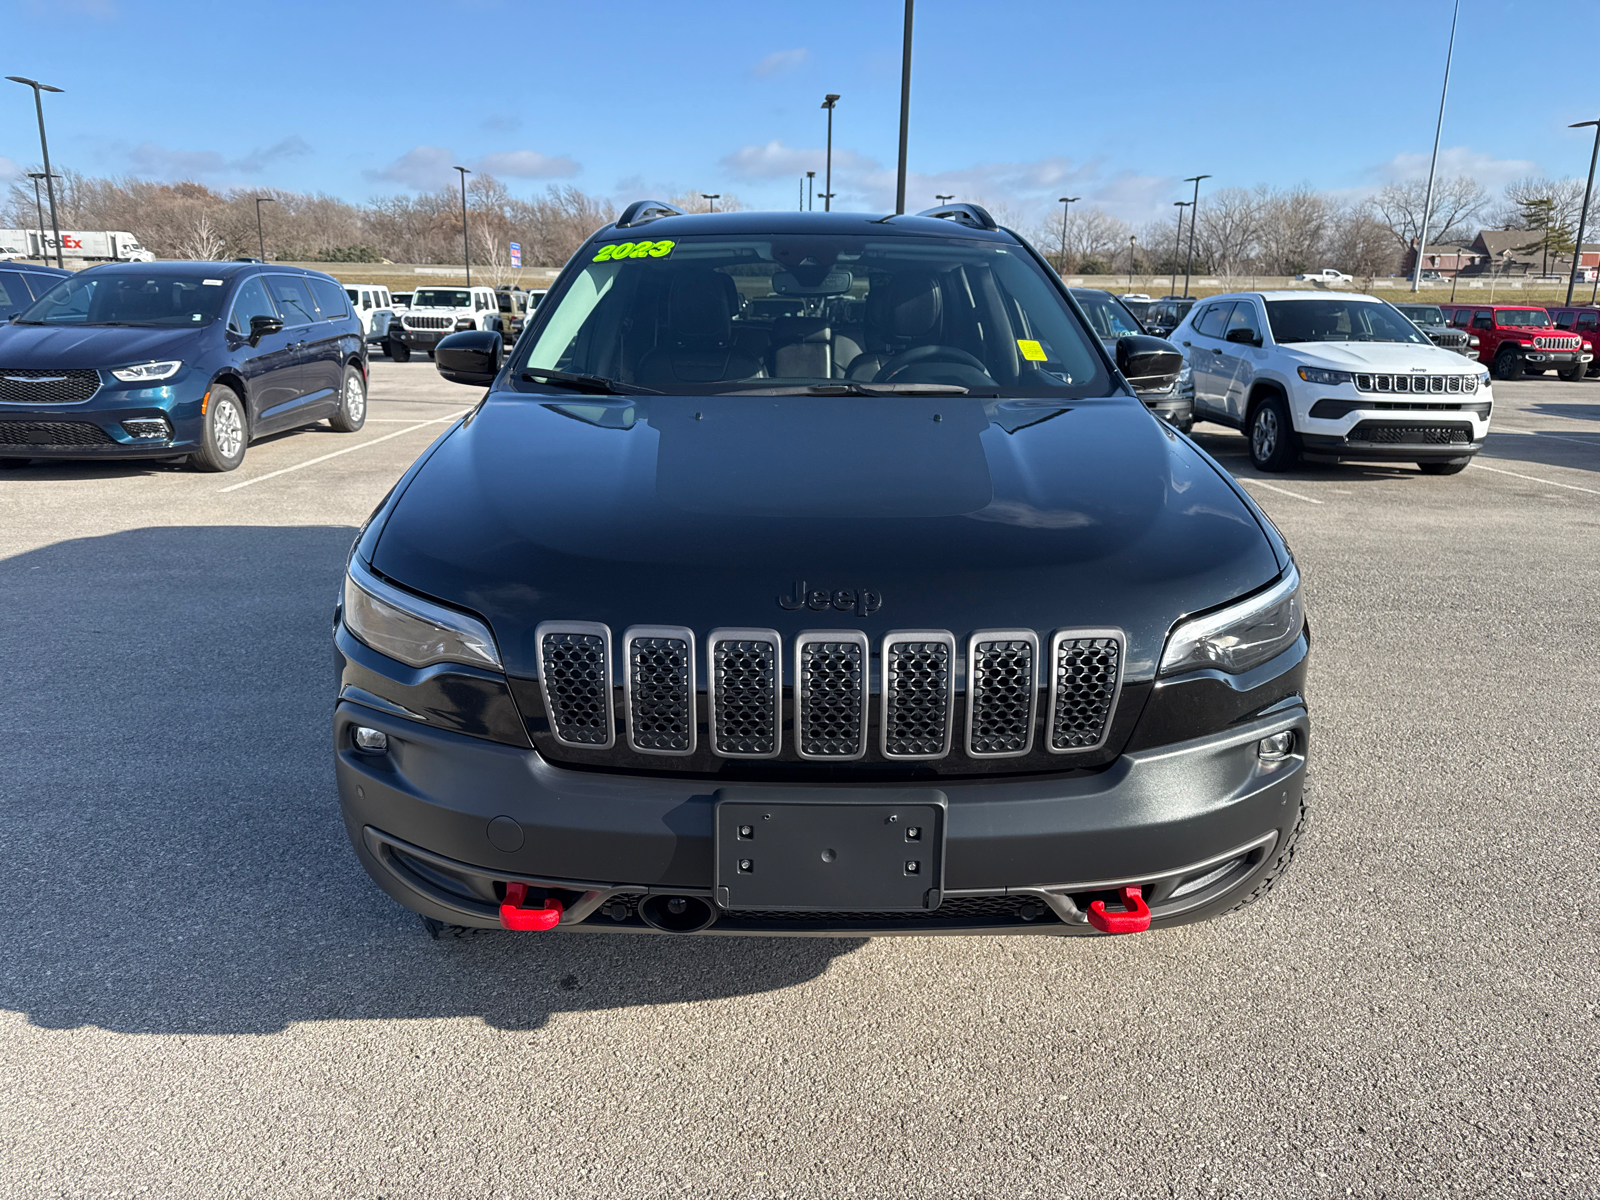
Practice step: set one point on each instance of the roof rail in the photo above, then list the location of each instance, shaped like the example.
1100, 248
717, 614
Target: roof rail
974, 215
641, 211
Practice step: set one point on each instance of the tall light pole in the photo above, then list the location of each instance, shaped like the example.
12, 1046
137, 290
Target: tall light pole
38, 208
905, 115
713, 197
1066, 202
44, 148
1133, 245
828, 102
466, 246
1427, 203
261, 240
1194, 219
811, 183
1177, 247
1577, 253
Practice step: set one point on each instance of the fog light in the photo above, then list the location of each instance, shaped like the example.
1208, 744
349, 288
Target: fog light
148, 427
1271, 749
371, 741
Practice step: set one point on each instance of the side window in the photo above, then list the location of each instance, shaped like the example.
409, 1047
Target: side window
294, 302
1482, 320
1588, 320
330, 297
1214, 319
366, 300
1244, 317
351, 292
38, 284
1564, 319
251, 300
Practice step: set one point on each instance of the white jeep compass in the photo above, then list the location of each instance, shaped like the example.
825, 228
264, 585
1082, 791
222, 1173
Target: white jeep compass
1337, 377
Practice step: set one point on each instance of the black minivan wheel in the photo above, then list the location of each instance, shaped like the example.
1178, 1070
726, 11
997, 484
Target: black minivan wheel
226, 432
1272, 442
352, 411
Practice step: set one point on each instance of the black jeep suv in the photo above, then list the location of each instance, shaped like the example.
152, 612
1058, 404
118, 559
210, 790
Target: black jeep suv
807, 573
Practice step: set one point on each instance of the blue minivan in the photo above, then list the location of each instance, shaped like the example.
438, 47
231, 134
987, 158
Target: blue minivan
157, 360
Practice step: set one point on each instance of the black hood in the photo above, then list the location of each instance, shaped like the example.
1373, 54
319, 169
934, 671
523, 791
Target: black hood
78, 346
911, 513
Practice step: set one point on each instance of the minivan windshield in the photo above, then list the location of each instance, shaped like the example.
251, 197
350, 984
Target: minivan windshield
1341, 320
441, 298
147, 299
811, 313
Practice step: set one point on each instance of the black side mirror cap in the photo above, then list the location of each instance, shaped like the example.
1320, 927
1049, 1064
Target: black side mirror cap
1248, 337
471, 357
261, 326
1150, 364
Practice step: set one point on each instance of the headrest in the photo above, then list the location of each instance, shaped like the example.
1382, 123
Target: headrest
698, 306
914, 306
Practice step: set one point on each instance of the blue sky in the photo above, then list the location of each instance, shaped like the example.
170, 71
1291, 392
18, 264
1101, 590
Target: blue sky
1024, 100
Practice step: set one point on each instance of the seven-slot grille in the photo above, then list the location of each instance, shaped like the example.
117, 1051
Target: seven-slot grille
20, 386
1555, 342
831, 705
1002, 695
575, 671
744, 687
660, 689
919, 681
411, 322
1086, 671
54, 433
1437, 384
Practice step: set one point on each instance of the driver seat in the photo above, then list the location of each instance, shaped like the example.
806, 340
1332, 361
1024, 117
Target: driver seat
699, 344
908, 312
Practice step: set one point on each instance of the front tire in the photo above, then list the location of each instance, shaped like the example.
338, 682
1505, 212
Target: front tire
1272, 440
1507, 365
1448, 466
225, 434
1572, 374
400, 352
352, 412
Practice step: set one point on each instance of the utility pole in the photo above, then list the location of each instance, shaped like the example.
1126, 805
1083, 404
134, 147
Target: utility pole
260, 239
1577, 250
466, 246
38, 208
1066, 202
1194, 219
828, 102
905, 115
1427, 203
1177, 248
811, 181
1133, 245
44, 149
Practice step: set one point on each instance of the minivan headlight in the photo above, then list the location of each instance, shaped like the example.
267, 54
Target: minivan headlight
418, 632
1241, 636
148, 372
1330, 378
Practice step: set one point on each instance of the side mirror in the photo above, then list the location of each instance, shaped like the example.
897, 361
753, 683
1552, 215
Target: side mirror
471, 357
1149, 364
1248, 337
260, 327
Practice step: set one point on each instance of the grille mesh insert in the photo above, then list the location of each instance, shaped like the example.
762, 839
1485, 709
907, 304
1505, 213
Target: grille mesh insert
744, 682
833, 700
917, 705
19, 386
579, 694
661, 709
1000, 695
1086, 673
54, 433
1399, 433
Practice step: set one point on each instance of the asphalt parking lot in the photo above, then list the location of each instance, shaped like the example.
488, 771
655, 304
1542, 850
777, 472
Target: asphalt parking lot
201, 993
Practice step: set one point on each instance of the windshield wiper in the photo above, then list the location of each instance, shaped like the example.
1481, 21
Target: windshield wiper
853, 388
597, 385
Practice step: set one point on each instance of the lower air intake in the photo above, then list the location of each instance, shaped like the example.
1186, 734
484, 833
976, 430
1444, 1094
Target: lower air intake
54, 433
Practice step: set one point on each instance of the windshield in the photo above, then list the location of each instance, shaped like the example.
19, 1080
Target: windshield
1339, 321
702, 315
1422, 314
1106, 314
1522, 318
153, 300
441, 298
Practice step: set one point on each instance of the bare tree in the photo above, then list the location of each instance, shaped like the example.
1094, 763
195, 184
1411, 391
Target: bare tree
1225, 236
1362, 242
1293, 229
1457, 203
1565, 197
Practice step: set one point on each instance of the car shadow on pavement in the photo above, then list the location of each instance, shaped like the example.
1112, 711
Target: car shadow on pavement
1573, 412
174, 857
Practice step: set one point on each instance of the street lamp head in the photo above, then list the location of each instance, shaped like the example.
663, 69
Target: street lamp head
1582, 124
941, 197
33, 83
464, 172
830, 99
1196, 178
811, 174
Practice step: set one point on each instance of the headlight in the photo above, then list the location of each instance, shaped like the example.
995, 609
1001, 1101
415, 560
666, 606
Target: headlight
1241, 636
148, 372
1483, 379
465, 323
411, 629
1318, 375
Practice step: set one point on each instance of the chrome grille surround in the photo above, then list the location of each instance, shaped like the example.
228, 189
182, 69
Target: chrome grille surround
19, 385
1085, 685
1454, 382
919, 684
744, 692
658, 680
832, 668
1556, 342
575, 676
1002, 692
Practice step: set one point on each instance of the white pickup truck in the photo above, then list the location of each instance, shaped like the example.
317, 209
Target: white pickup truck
437, 312
1326, 275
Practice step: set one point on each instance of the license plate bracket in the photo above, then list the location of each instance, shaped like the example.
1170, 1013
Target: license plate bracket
830, 849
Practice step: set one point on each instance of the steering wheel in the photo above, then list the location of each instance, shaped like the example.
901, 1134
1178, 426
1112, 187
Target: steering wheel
924, 354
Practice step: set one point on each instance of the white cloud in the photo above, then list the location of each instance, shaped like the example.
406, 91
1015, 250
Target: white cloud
421, 167
148, 158
9, 169
526, 164
780, 61
427, 167
1492, 172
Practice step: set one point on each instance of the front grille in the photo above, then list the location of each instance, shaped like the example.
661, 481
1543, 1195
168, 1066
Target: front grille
1557, 342
918, 695
1437, 384
660, 689
1450, 341
743, 689
575, 670
53, 433
1083, 689
411, 322
1001, 693
19, 386
1400, 433
831, 707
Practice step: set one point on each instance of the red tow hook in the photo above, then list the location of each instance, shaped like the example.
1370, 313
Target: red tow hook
1135, 920
514, 916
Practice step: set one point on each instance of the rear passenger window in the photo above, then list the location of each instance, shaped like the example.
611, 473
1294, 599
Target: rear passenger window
330, 298
293, 301
1589, 320
1214, 319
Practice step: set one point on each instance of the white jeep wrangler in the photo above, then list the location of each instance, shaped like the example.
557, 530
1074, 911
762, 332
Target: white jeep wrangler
437, 312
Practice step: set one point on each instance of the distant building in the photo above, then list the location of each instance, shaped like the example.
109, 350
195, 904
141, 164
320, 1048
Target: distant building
1517, 252
1447, 258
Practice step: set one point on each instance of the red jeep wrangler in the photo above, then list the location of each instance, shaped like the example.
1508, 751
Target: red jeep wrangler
1513, 339
1583, 320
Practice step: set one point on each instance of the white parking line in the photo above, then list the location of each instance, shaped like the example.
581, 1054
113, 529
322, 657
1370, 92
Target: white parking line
1272, 487
348, 449
1571, 487
1560, 437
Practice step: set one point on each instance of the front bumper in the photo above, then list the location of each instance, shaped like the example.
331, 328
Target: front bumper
442, 822
108, 424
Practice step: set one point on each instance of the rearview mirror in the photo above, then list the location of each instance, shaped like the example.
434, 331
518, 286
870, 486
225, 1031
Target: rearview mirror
471, 357
1248, 337
1150, 364
261, 326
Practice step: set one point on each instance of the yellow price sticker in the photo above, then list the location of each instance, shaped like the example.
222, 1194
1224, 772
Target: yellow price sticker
1032, 351
646, 249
